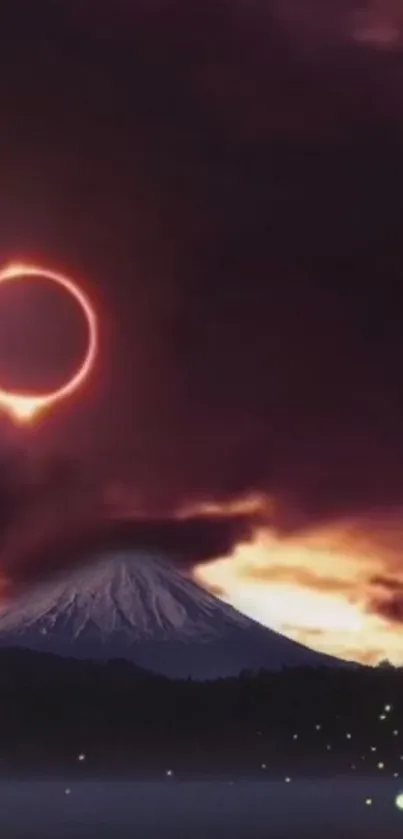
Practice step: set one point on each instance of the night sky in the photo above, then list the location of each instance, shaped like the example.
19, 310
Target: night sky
226, 181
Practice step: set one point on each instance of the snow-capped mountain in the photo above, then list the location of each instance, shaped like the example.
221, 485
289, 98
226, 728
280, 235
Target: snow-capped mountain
130, 605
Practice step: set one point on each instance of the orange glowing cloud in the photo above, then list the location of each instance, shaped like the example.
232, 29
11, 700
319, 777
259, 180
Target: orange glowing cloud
23, 407
254, 505
338, 589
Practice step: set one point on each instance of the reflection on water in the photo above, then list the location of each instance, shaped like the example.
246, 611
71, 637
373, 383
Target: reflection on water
239, 810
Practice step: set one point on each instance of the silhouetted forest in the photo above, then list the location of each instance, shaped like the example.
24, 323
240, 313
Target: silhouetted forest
84, 718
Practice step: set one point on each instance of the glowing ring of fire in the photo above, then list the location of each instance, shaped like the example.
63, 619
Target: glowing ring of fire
24, 407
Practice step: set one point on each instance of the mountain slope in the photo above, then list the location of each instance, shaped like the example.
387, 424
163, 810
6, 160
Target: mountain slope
134, 606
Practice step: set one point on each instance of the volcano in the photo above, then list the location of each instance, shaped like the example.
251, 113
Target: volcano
137, 607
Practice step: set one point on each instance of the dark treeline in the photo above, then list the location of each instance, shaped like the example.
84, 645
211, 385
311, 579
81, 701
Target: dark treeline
126, 721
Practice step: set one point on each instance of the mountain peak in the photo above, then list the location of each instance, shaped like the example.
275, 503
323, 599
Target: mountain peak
134, 605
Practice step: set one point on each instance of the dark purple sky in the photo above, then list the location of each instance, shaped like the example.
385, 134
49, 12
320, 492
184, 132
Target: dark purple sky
230, 189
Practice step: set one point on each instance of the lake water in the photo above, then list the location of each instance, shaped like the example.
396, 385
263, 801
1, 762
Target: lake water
205, 810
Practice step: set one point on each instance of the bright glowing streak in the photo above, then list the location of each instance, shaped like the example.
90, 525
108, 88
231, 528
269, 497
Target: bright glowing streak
286, 585
283, 604
25, 407
276, 603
